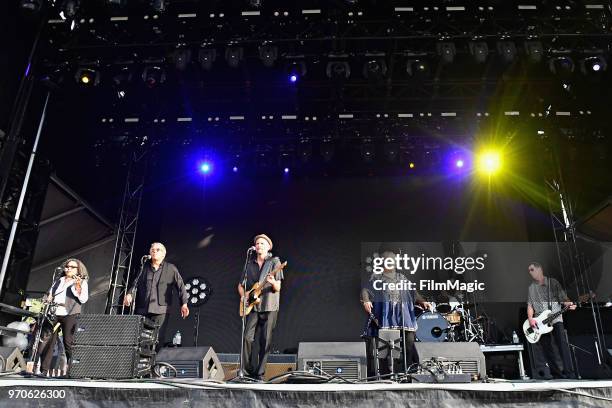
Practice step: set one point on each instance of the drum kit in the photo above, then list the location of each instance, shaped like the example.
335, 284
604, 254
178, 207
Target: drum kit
452, 321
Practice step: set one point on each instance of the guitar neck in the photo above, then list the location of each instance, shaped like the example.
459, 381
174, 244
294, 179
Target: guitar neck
553, 316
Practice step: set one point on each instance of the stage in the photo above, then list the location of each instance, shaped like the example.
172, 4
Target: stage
174, 393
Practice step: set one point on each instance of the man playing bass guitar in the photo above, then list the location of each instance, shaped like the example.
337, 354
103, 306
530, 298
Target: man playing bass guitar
546, 293
261, 321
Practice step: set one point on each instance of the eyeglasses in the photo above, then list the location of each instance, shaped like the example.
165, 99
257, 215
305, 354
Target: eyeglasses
71, 267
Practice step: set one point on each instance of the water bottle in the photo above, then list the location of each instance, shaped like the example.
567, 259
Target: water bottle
176, 340
515, 338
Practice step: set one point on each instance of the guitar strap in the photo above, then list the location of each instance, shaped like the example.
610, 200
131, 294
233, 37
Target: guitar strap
266, 269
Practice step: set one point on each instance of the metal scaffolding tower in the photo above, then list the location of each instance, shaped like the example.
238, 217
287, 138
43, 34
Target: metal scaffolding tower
126, 233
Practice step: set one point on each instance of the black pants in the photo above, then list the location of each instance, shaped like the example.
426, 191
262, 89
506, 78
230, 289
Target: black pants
384, 364
552, 349
260, 326
68, 325
159, 320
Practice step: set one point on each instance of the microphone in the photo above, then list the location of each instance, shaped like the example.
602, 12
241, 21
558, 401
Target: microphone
251, 249
146, 258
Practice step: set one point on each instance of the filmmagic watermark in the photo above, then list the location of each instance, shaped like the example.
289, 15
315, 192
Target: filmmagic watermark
429, 284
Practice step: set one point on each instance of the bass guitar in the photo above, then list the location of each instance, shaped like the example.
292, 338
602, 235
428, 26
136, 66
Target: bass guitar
543, 325
253, 296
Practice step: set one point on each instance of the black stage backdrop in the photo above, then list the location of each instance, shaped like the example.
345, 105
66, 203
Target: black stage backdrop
317, 226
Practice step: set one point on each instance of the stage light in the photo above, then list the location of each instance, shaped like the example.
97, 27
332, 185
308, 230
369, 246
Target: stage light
199, 291
417, 68
205, 167
368, 152
506, 51
268, 55
489, 162
234, 56
304, 150
534, 51
158, 5
446, 52
30, 5
391, 150
255, 3
286, 170
87, 76
69, 9
207, 57
375, 69
338, 70
411, 165
181, 58
593, 65
562, 66
118, 3
479, 51
235, 169
153, 75
296, 70
459, 163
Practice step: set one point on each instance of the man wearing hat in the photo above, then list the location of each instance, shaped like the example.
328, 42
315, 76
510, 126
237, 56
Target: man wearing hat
261, 321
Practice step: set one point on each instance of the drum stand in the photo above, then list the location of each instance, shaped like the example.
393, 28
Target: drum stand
472, 331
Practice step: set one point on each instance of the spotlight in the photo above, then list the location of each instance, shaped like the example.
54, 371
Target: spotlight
69, 9
30, 5
479, 51
375, 69
391, 150
199, 291
591, 65
235, 169
411, 165
506, 51
255, 3
417, 68
338, 70
181, 58
205, 167
296, 70
286, 170
367, 152
158, 5
87, 76
562, 66
153, 75
446, 52
233, 56
459, 163
489, 162
207, 57
534, 51
268, 55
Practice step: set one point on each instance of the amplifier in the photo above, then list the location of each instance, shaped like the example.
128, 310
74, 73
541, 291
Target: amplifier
341, 359
116, 362
114, 330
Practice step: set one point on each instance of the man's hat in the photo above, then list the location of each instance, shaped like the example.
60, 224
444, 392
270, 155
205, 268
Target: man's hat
263, 236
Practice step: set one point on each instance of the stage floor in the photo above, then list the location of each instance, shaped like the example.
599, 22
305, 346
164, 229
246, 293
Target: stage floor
37, 392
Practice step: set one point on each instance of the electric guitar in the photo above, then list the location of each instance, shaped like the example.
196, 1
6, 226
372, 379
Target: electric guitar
543, 324
252, 297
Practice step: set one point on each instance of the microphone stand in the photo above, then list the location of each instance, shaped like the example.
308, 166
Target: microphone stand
241, 374
135, 288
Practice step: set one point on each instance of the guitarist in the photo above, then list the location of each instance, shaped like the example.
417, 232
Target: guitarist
546, 293
261, 321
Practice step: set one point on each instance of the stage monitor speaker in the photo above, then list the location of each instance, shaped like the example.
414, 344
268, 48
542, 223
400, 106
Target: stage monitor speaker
114, 330
277, 364
12, 360
190, 362
342, 359
468, 354
112, 362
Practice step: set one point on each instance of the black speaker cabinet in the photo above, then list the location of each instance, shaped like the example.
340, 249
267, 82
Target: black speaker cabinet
114, 330
12, 359
342, 359
190, 362
112, 362
468, 354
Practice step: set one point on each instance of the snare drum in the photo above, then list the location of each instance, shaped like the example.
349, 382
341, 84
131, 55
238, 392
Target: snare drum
443, 308
432, 327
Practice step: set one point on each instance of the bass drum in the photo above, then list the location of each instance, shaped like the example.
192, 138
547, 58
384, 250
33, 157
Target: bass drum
432, 327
